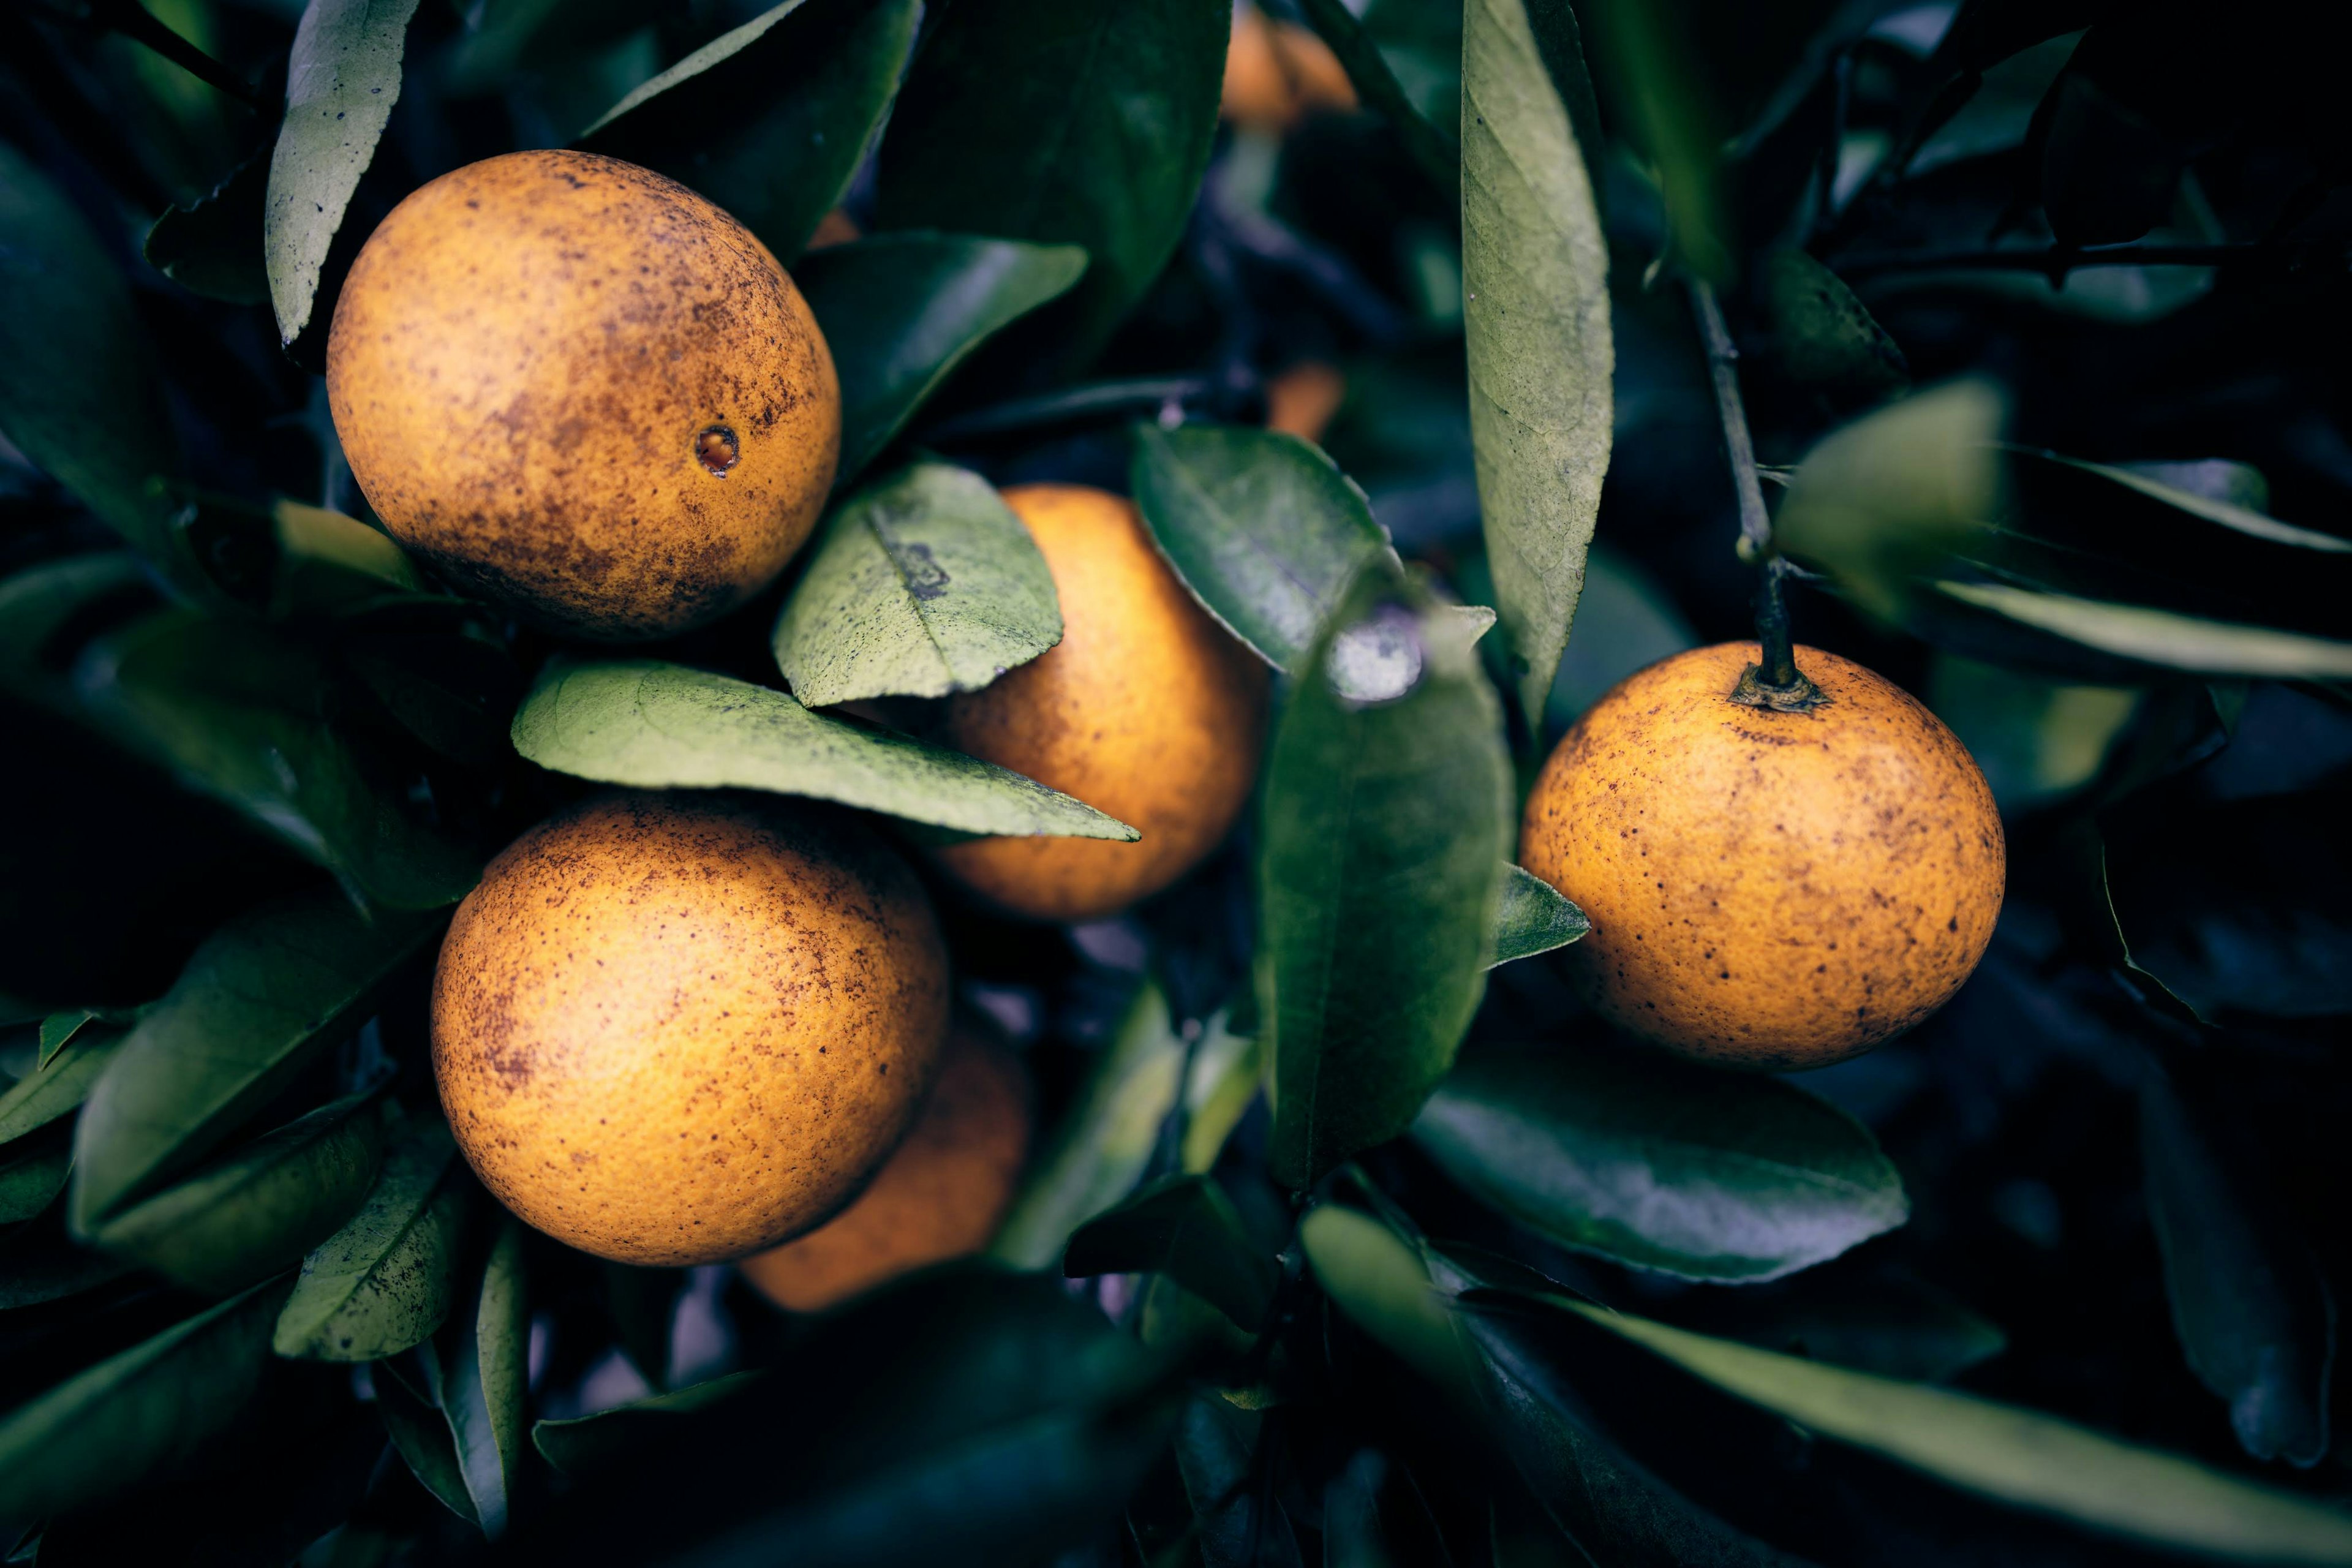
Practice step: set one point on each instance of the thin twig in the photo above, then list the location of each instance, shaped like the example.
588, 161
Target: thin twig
134, 22
1775, 681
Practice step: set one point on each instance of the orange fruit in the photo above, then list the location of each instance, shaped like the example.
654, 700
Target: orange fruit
1768, 889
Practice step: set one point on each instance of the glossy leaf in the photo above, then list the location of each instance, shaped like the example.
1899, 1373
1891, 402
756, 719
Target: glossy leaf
1387, 822
902, 311
2013, 1455
240, 713
639, 722
1662, 1164
213, 246
484, 1358
133, 1414
1432, 146
384, 1282
772, 120
75, 364
2163, 637
1064, 122
341, 84
1531, 915
1103, 1143
2247, 1302
1535, 277
256, 1212
58, 1085
1186, 1228
255, 1005
31, 1176
584, 1443
922, 584
1261, 526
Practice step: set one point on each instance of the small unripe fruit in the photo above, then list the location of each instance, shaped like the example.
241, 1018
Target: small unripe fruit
942, 1195
1768, 889
579, 388
677, 1029
1147, 709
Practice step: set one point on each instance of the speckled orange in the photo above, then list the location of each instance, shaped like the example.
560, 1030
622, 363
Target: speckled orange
1768, 889
1147, 709
679, 1027
942, 1195
524, 363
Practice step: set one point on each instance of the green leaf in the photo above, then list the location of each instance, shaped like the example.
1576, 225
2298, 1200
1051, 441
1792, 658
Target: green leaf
1388, 820
902, 311
421, 1434
1429, 145
1261, 526
2162, 636
384, 1282
772, 120
1103, 1143
2015, 1455
1224, 1079
1531, 915
31, 1176
78, 392
1184, 1228
259, 1210
485, 1354
1888, 1323
1062, 121
2230, 514
2249, 1306
57, 1029
1827, 338
922, 584
1535, 277
1892, 492
640, 721
341, 81
586, 1443
1662, 1164
148, 1409
296, 559
58, 1085
239, 713
255, 1005
1373, 1277
36, 1277
211, 246
2037, 740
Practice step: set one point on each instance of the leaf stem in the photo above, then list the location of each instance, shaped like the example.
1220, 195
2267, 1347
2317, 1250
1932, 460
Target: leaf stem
1774, 681
134, 22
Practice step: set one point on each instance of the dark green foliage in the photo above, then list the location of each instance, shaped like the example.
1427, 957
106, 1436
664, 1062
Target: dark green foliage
1349, 1235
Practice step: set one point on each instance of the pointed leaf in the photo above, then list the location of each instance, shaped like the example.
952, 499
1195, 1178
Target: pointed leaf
1662, 1164
1186, 1228
640, 721
486, 1362
2249, 1304
902, 311
770, 120
384, 1282
922, 584
1103, 1142
1062, 121
58, 1029
1828, 338
2016, 1455
421, 1435
1535, 278
257, 1211
1260, 525
58, 1085
2163, 637
145, 1410
256, 1004
341, 81
585, 1443
1531, 915
2229, 515
78, 393
1388, 819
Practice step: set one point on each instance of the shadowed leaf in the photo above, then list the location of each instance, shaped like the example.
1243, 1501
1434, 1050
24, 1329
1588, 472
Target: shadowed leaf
384, 1282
